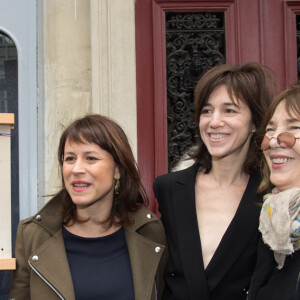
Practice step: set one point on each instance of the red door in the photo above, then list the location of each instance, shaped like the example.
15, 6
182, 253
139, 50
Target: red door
264, 31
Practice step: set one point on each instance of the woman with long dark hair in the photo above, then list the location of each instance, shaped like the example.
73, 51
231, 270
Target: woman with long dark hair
209, 209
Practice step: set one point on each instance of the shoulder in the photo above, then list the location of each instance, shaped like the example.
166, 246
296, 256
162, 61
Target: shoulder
46, 222
30, 237
179, 176
163, 185
148, 225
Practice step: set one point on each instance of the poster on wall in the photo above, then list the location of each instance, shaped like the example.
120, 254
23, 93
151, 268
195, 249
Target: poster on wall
6, 260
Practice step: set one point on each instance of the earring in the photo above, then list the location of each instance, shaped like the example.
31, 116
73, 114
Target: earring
117, 187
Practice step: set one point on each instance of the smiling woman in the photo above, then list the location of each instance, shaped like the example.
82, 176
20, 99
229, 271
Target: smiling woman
95, 239
277, 274
209, 210
90, 174
226, 125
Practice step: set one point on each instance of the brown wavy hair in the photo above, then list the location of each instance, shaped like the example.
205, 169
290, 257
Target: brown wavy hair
291, 98
251, 83
108, 135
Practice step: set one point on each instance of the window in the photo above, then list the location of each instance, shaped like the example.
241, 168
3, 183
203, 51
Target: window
9, 104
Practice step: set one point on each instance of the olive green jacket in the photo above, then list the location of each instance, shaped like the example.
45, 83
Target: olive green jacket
42, 267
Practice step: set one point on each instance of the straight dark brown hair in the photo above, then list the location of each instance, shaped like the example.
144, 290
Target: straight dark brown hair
109, 136
251, 83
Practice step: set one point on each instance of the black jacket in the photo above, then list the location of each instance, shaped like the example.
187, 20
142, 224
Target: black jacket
229, 272
269, 283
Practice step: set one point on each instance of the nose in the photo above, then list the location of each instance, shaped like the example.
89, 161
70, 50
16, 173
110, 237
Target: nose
216, 120
274, 141
78, 167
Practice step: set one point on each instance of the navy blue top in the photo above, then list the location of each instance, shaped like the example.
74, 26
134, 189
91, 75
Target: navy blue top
100, 267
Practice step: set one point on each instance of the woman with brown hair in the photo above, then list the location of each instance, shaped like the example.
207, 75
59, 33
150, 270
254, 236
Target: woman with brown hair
277, 273
95, 239
209, 209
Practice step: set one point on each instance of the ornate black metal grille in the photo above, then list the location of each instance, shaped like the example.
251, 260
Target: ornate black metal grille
195, 42
298, 45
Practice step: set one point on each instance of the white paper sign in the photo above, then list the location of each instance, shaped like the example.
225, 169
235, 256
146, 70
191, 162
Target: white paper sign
5, 195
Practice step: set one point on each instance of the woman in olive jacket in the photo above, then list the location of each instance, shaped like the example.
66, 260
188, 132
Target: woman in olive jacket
95, 239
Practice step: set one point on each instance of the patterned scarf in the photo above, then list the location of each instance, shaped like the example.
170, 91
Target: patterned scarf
280, 223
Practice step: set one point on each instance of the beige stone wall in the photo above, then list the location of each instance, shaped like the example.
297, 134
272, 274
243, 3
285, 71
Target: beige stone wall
67, 75
113, 63
89, 67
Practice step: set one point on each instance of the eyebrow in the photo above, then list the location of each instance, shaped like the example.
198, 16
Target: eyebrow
292, 120
289, 121
87, 152
226, 104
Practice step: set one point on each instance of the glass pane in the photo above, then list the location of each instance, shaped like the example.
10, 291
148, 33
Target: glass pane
9, 104
195, 42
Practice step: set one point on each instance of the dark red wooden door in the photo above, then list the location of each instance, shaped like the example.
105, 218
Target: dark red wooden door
258, 30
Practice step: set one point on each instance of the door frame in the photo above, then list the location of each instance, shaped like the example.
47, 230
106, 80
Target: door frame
252, 33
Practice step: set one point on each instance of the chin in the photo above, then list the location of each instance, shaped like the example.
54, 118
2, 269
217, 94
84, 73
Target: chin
282, 186
218, 154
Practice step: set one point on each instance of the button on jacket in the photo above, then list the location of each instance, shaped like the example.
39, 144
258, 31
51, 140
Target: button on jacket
42, 265
229, 272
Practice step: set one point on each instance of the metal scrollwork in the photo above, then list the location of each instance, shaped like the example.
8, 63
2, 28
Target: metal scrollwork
195, 42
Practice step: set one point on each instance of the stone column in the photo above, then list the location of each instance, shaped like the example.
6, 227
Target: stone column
113, 63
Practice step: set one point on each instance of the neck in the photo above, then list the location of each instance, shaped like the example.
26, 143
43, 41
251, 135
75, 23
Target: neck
228, 170
94, 221
90, 229
225, 173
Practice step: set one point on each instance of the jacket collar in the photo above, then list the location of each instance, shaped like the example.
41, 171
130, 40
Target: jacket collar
144, 254
50, 216
51, 219
187, 176
183, 194
50, 263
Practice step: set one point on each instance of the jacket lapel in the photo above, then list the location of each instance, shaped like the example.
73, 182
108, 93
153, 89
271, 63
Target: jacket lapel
52, 265
144, 262
188, 234
237, 235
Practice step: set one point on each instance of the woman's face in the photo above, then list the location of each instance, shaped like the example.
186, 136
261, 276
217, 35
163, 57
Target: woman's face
89, 174
226, 126
284, 164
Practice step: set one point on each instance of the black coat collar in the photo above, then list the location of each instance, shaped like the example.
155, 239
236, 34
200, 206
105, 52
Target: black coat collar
232, 243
